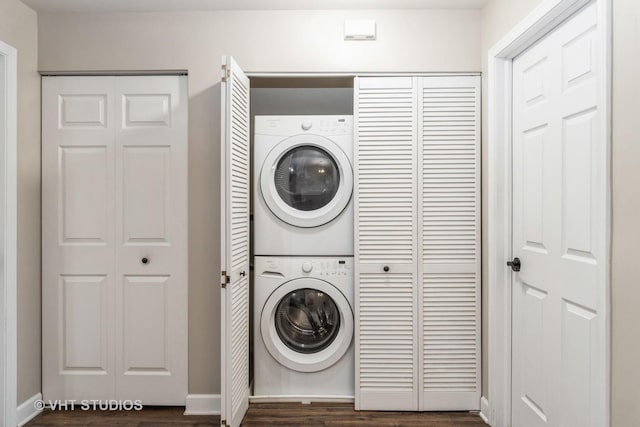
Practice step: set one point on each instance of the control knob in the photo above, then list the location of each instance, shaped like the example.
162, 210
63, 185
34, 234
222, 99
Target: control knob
307, 267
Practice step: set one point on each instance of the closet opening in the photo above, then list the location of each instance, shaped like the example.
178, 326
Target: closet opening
308, 177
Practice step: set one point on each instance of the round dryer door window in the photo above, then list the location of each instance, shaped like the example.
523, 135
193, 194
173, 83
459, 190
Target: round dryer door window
306, 180
307, 324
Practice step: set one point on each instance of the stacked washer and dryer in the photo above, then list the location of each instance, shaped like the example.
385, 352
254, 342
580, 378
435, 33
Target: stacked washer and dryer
303, 247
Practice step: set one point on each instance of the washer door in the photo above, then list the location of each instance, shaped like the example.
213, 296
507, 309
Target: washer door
306, 180
307, 324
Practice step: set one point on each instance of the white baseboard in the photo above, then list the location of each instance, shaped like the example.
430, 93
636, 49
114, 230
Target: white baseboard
28, 409
202, 404
484, 410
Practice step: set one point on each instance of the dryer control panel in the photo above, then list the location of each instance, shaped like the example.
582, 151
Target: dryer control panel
290, 268
293, 125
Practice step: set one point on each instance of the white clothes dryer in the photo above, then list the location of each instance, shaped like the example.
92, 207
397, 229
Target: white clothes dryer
303, 329
303, 185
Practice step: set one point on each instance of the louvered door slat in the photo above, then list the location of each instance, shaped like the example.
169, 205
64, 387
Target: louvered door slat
450, 245
386, 226
235, 243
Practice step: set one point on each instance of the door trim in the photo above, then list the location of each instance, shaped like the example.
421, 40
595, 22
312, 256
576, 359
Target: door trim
541, 21
8, 286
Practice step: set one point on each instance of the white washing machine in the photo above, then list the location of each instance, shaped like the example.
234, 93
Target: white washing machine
303, 185
303, 329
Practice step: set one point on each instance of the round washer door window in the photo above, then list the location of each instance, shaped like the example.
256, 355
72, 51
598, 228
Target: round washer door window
306, 180
307, 324
307, 320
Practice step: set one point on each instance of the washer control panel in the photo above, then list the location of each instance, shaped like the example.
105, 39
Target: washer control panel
290, 268
327, 268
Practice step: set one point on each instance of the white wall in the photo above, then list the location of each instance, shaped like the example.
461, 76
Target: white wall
18, 27
626, 206
411, 40
498, 16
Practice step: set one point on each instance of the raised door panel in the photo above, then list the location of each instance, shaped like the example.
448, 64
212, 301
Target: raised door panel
84, 188
151, 237
385, 243
449, 232
146, 318
78, 237
84, 327
146, 183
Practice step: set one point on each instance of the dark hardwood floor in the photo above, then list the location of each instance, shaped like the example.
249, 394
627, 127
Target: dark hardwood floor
259, 414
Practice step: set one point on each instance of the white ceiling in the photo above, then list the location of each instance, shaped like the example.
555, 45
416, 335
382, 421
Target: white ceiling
174, 5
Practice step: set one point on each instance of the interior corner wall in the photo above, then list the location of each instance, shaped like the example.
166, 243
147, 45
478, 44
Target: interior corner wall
625, 285
19, 28
274, 41
498, 17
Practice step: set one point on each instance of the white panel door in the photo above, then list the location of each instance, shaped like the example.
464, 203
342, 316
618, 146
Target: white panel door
151, 239
449, 202
386, 307
114, 177
559, 357
78, 237
234, 236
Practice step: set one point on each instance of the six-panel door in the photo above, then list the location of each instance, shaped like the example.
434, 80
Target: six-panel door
114, 168
558, 319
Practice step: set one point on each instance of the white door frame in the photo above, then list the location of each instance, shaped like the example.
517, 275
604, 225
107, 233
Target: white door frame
8, 239
537, 24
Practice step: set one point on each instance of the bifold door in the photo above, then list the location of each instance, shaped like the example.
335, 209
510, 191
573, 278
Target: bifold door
234, 239
417, 243
385, 244
114, 241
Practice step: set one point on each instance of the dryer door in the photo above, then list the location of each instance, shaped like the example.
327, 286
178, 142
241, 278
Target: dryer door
306, 180
307, 324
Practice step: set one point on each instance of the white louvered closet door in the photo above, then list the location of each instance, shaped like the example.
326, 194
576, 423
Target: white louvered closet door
386, 244
449, 195
234, 236
417, 243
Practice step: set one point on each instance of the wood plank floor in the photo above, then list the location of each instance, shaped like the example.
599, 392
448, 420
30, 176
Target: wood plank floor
259, 414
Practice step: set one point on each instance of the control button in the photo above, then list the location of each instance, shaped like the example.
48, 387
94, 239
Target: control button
307, 267
306, 124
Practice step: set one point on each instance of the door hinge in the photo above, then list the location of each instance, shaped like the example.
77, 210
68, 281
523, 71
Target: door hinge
223, 423
225, 279
226, 73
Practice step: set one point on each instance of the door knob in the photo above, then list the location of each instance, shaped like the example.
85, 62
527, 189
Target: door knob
145, 260
386, 268
515, 264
